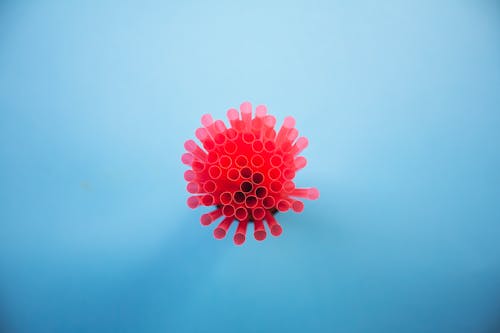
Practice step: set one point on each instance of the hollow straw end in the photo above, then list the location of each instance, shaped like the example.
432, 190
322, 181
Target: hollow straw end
193, 202
187, 158
232, 114
201, 133
289, 122
260, 111
239, 238
260, 235
246, 108
313, 193
190, 145
219, 233
298, 206
276, 230
206, 219
207, 120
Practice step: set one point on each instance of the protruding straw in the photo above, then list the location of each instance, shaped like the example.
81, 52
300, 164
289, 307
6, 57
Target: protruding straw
299, 163
208, 218
260, 111
202, 134
189, 175
300, 145
297, 206
208, 122
241, 232
194, 201
221, 230
233, 116
257, 124
269, 121
193, 148
283, 205
308, 193
259, 231
193, 187
288, 124
246, 114
274, 226
220, 127
292, 135
270, 134
187, 158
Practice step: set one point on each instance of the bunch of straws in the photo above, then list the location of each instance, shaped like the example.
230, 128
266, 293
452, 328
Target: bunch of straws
246, 171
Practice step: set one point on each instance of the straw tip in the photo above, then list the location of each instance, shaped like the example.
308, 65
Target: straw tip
189, 145
289, 122
260, 111
187, 158
276, 230
270, 121
207, 120
260, 235
193, 202
313, 193
246, 107
282, 206
206, 219
239, 238
298, 206
232, 114
219, 233
201, 133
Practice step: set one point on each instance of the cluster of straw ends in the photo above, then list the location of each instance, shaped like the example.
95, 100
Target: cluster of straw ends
246, 171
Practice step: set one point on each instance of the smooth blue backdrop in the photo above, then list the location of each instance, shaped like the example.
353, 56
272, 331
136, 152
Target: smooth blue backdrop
400, 101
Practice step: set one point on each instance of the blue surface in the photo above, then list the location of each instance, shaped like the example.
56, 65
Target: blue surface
400, 101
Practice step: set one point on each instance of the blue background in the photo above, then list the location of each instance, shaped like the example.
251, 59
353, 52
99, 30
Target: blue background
400, 102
